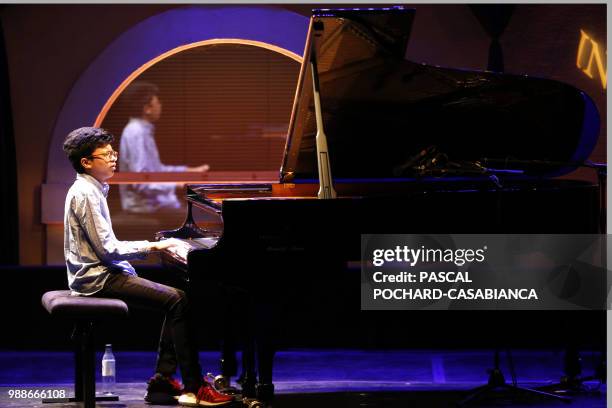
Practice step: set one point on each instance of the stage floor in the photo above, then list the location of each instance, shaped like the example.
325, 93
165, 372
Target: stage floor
328, 378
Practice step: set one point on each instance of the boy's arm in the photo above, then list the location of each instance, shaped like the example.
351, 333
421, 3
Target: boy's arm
100, 235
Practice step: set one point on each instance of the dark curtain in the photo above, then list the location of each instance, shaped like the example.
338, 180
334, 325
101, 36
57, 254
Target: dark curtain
494, 19
9, 232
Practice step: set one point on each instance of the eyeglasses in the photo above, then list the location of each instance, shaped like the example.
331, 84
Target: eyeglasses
108, 156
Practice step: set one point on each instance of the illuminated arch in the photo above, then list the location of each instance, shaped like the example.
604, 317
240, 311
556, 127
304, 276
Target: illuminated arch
176, 50
145, 43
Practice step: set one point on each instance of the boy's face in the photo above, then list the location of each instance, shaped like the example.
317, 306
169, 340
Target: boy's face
101, 164
152, 111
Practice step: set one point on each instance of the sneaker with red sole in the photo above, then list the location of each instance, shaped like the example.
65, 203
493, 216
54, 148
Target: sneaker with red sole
162, 390
206, 396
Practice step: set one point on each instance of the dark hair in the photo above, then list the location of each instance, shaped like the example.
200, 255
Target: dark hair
137, 95
82, 142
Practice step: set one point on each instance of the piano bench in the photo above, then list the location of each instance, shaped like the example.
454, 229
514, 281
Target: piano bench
84, 311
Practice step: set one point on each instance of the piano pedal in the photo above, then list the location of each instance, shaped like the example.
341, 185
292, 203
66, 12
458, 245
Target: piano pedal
254, 403
265, 392
221, 384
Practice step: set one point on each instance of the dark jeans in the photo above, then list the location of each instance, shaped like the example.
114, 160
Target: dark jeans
177, 342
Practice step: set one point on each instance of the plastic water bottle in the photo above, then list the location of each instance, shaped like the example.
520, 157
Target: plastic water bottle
108, 370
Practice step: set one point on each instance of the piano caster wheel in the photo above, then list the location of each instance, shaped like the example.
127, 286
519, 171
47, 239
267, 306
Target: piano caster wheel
253, 403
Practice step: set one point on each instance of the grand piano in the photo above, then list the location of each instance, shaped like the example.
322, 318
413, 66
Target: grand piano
379, 144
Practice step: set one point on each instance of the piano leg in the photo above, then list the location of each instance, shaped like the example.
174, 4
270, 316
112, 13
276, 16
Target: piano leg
257, 353
266, 347
231, 301
255, 331
262, 390
248, 379
238, 303
228, 363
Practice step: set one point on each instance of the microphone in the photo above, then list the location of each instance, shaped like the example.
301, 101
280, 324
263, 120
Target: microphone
414, 160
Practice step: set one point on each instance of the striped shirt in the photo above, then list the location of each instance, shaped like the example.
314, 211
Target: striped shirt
91, 248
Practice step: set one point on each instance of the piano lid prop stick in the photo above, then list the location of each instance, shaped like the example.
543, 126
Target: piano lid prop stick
326, 188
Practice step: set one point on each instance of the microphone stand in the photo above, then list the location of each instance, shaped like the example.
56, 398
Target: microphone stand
496, 381
571, 381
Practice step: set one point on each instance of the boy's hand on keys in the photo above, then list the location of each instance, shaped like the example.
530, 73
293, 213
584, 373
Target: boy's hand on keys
170, 243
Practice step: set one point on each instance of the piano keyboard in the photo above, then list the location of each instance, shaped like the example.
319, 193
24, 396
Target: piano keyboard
184, 246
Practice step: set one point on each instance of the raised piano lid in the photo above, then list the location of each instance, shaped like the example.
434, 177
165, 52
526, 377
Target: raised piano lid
380, 109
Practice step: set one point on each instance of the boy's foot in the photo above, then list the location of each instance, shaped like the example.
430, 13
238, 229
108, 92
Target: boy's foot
206, 396
162, 390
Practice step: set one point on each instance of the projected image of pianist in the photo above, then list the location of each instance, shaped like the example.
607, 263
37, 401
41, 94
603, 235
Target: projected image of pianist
139, 153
